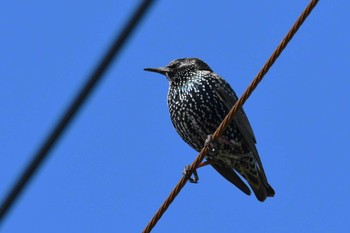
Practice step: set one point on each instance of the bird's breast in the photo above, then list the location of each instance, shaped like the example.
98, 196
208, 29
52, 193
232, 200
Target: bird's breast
196, 111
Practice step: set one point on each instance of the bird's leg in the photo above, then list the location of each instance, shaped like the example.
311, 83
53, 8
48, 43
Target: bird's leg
187, 173
202, 164
213, 145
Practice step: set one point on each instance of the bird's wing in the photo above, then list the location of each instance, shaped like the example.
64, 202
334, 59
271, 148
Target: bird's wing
229, 98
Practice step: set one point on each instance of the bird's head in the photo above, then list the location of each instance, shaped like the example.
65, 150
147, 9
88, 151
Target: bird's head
181, 68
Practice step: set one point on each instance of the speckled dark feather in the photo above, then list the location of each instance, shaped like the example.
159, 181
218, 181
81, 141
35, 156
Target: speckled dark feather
198, 101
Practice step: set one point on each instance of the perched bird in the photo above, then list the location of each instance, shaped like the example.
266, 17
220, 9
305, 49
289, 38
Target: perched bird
198, 100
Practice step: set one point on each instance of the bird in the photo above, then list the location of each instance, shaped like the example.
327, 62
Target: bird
198, 100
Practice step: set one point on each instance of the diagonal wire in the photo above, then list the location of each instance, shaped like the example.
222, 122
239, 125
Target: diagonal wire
231, 114
93, 80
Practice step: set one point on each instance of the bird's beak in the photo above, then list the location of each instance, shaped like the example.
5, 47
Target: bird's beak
162, 70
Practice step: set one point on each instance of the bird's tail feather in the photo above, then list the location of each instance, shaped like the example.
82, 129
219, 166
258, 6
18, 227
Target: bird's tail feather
257, 180
229, 174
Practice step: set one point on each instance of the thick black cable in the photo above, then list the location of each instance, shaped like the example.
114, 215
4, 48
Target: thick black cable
50, 141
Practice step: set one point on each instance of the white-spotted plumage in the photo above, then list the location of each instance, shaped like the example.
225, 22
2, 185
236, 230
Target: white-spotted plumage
198, 101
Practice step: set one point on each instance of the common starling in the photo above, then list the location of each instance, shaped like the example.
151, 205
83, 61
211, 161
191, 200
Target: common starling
198, 100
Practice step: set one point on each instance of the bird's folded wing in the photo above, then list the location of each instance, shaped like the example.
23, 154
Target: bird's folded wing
241, 121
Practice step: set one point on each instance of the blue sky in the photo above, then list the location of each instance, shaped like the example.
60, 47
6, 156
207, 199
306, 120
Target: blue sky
121, 157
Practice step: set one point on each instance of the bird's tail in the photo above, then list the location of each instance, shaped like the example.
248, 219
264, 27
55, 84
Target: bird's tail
256, 178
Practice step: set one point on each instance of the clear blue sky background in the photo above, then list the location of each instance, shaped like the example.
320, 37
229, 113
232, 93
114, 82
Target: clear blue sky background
121, 157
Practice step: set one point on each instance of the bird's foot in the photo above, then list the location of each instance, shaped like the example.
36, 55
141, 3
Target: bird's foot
212, 145
187, 173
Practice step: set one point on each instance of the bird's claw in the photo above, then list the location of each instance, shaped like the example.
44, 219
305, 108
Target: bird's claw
210, 143
187, 173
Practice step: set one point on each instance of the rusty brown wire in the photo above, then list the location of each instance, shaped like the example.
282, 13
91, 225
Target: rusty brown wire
232, 112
